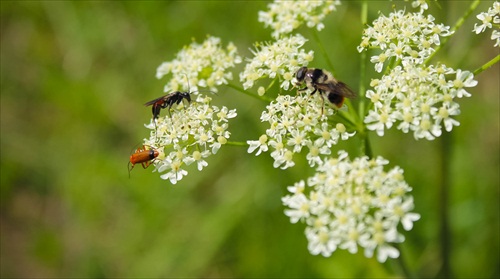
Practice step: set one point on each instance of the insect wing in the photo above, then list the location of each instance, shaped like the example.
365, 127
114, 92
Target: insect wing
158, 101
161, 102
338, 87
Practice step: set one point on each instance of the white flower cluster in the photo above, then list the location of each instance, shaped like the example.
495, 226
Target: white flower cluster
203, 64
420, 98
488, 19
350, 204
297, 122
408, 37
189, 135
280, 59
285, 16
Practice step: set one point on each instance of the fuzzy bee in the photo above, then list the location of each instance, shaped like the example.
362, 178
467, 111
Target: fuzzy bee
324, 82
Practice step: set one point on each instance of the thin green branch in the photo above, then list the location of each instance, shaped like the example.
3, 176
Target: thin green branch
459, 23
236, 143
323, 51
362, 66
402, 263
487, 65
366, 148
240, 89
365, 139
445, 183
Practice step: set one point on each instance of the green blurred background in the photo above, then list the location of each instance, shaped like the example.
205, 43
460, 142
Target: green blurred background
74, 76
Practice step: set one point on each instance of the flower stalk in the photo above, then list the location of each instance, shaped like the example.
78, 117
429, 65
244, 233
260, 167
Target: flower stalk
457, 25
487, 65
256, 96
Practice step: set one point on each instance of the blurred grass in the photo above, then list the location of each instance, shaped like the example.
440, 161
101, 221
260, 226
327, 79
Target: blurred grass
74, 76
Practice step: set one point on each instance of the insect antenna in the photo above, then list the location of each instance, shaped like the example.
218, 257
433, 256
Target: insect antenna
215, 93
189, 88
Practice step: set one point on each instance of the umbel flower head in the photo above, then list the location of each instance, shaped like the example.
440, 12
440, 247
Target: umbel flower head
296, 123
189, 135
206, 65
420, 99
410, 37
277, 60
352, 204
285, 16
490, 20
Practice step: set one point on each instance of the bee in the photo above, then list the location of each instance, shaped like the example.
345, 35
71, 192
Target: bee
324, 82
167, 101
143, 156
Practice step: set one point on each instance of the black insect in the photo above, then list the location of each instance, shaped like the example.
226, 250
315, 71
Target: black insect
167, 101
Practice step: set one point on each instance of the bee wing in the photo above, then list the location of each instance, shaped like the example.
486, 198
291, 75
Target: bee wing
338, 87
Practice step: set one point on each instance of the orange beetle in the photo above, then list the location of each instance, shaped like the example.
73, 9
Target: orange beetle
144, 156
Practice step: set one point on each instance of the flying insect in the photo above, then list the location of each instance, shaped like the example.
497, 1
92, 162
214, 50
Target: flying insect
323, 82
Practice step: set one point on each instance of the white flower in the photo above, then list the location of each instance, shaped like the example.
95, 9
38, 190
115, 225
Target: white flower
463, 79
299, 208
321, 241
315, 150
278, 60
380, 119
380, 233
379, 61
352, 237
420, 3
297, 140
486, 20
261, 144
444, 113
198, 157
174, 163
285, 16
284, 160
352, 204
495, 35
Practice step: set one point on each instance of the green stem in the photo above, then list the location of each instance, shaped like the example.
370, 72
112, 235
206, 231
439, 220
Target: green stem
323, 51
236, 143
487, 65
240, 89
444, 189
402, 263
362, 66
366, 148
459, 23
